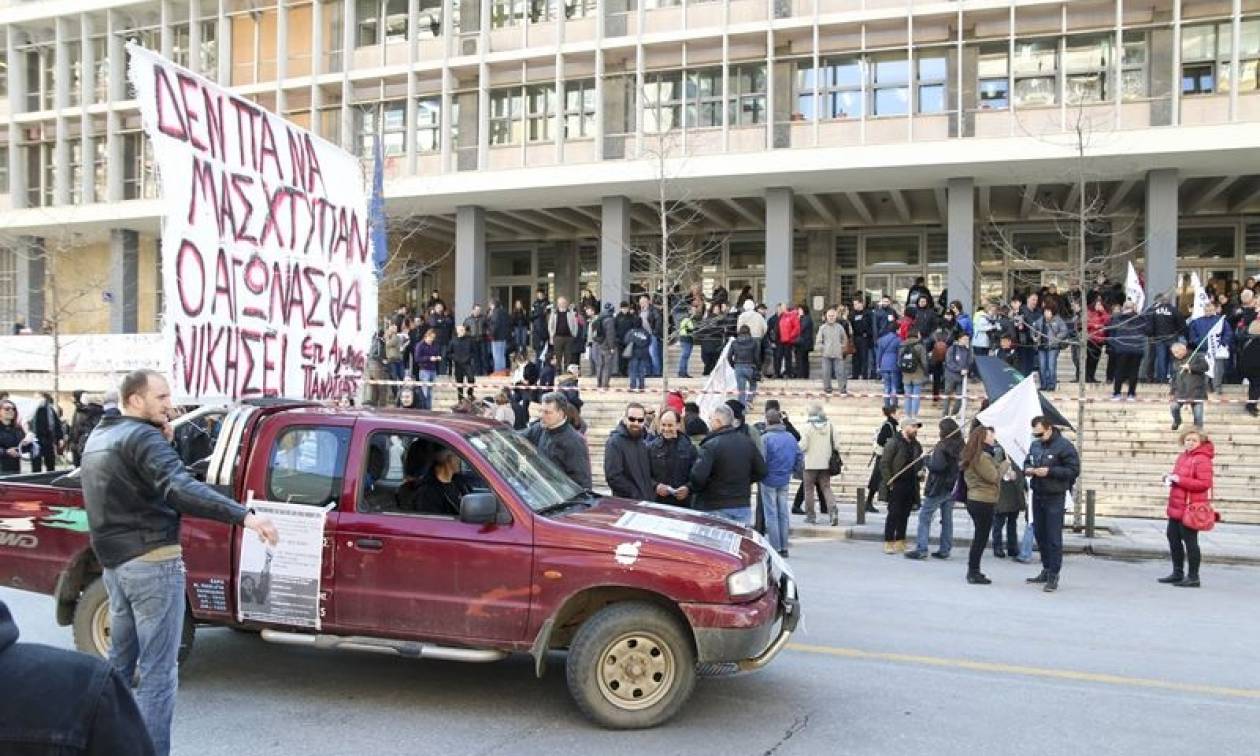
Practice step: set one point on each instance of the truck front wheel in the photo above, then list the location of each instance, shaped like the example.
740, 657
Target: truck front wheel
631, 666
91, 623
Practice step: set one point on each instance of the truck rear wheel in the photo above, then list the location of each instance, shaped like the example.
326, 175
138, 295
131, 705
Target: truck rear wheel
91, 623
631, 666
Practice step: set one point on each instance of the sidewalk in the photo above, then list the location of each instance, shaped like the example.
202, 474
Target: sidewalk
1115, 538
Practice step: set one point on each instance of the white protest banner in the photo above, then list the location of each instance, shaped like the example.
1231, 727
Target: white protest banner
266, 257
1212, 349
1011, 418
1201, 298
280, 583
1133, 289
720, 381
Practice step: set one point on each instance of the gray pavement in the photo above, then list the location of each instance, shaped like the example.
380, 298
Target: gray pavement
895, 657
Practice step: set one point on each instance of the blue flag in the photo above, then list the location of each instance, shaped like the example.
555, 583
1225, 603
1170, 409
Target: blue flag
376, 211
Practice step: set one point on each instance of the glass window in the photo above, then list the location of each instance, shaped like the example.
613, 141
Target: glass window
99, 188
505, 13
181, 43
1087, 64
367, 15
1035, 68
932, 71
746, 254
890, 90
395, 20
308, 466
208, 48
704, 98
100, 59
534, 478
1248, 57
1133, 62
1205, 243
748, 94
540, 111
429, 124
579, 109
76, 171
840, 86
993, 85
1199, 58
505, 116
892, 250
74, 54
662, 102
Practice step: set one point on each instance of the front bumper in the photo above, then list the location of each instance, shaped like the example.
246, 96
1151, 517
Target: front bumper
751, 634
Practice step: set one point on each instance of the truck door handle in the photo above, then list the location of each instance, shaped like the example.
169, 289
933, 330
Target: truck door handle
369, 544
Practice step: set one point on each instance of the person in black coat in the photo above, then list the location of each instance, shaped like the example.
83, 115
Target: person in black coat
64, 702
862, 327
538, 318
86, 415
886, 432
47, 429
13, 438
804, 342
557, 440
461, 355
727, 466
627, 466
672, 456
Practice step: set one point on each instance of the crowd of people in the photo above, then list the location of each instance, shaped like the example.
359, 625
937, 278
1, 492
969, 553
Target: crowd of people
926, 343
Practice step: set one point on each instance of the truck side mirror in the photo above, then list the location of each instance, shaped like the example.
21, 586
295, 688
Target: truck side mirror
479, 508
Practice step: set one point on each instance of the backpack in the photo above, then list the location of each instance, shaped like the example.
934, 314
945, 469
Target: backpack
907, 358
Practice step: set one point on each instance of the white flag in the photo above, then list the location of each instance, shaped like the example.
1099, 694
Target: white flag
1213, 345
721, 380
1133, 289
1201, 298
1011, 418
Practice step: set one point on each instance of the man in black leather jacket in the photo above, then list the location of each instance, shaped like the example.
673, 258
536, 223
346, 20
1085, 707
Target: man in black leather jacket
557, 440
61, 702
135, 488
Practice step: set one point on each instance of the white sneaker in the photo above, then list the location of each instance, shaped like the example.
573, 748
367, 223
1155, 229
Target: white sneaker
1131, 399
1117, 398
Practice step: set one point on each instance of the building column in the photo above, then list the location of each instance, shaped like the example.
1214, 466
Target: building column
124, 280
614, 246
470, 257
30, 281
961, 230
779, 264
1161, 232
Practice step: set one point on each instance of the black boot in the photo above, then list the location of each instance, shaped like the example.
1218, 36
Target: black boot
1191, 581
1041, 577
1175, 577
999, 553
1052, 583
978, 578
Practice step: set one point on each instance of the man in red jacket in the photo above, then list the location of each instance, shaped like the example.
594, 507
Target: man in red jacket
789, 327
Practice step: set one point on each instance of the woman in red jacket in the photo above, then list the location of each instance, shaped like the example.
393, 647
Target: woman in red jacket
1189, 482
1096, 321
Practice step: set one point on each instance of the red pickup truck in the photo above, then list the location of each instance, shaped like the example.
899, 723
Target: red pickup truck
639, 594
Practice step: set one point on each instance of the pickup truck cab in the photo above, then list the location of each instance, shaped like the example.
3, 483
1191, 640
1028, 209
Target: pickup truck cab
521, 561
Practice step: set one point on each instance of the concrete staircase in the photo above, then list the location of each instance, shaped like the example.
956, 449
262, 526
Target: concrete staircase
1128, 446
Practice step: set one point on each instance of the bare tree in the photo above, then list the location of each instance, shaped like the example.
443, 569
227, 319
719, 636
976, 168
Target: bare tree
680, 247
408, 260
66, 299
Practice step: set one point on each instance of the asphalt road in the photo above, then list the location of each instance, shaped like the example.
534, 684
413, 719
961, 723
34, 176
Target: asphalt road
895, 657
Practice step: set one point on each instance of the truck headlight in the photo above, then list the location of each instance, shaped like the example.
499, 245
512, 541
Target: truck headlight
748, 582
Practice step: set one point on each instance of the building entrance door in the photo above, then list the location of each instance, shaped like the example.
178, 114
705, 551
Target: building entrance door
509, 294
736, 284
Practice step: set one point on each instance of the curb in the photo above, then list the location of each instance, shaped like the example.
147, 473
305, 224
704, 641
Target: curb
1096, 549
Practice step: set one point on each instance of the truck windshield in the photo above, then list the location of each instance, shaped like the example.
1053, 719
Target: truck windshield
534, 478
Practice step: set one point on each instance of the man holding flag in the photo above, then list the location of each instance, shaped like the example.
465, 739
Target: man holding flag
1209, 336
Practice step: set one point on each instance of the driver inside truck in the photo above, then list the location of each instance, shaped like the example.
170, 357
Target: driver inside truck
441, 489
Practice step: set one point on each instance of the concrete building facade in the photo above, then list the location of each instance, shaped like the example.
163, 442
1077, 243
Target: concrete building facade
811, 150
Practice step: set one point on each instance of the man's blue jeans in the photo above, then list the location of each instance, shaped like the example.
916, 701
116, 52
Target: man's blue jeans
499, 350
684, 357
424, 395
654, 351
1049, 368
746, 378
892, 386
774, 502
912, 398
926, 512
740, 515
1162, 360
146, 618
638, 371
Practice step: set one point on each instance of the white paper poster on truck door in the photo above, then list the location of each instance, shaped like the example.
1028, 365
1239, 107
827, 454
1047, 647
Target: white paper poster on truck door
280, 584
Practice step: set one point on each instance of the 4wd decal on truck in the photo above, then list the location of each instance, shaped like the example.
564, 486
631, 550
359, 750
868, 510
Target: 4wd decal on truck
18, 540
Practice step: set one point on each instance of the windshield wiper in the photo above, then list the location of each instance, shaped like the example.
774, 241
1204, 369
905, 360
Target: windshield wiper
585, 498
